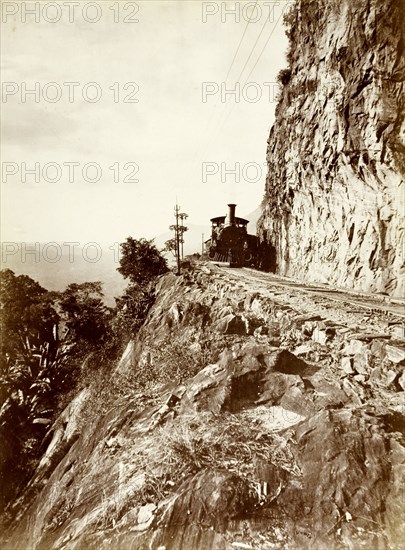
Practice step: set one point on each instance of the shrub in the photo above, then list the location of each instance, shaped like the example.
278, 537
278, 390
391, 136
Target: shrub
284, 76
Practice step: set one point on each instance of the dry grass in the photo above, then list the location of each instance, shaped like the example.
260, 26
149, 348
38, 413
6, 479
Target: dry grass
228, 442
187, 445
173, 362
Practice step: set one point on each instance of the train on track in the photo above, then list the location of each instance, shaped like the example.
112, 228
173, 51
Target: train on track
230, 242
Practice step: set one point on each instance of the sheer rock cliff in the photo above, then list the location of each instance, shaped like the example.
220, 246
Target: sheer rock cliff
333, 208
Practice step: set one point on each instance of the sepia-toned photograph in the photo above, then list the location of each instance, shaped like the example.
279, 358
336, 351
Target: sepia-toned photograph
202, 281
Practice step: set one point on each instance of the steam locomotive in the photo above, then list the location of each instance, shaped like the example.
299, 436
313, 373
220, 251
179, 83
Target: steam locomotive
230, 241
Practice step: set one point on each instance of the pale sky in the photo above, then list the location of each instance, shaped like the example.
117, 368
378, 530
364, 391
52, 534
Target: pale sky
173, 49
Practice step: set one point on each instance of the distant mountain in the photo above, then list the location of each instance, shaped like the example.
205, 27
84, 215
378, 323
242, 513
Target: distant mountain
76, 267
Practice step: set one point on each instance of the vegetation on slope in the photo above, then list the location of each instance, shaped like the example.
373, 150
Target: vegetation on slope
55, 343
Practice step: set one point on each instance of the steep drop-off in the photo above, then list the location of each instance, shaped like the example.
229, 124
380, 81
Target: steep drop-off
333, 208
286, 437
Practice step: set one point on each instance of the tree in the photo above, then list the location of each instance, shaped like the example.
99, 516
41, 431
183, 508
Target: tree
171, 246
29, 346
141, 261
29, 340
84, 313
38, 364
27, 315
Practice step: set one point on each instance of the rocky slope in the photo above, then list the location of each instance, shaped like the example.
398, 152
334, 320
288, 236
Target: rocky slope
287, 434
334, 200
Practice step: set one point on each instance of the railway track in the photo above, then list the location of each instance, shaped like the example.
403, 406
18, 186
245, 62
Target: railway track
392, 307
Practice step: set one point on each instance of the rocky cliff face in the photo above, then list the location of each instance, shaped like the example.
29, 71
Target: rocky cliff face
334, 200
286, 436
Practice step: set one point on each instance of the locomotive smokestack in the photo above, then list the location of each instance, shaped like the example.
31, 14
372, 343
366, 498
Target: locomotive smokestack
231, 215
